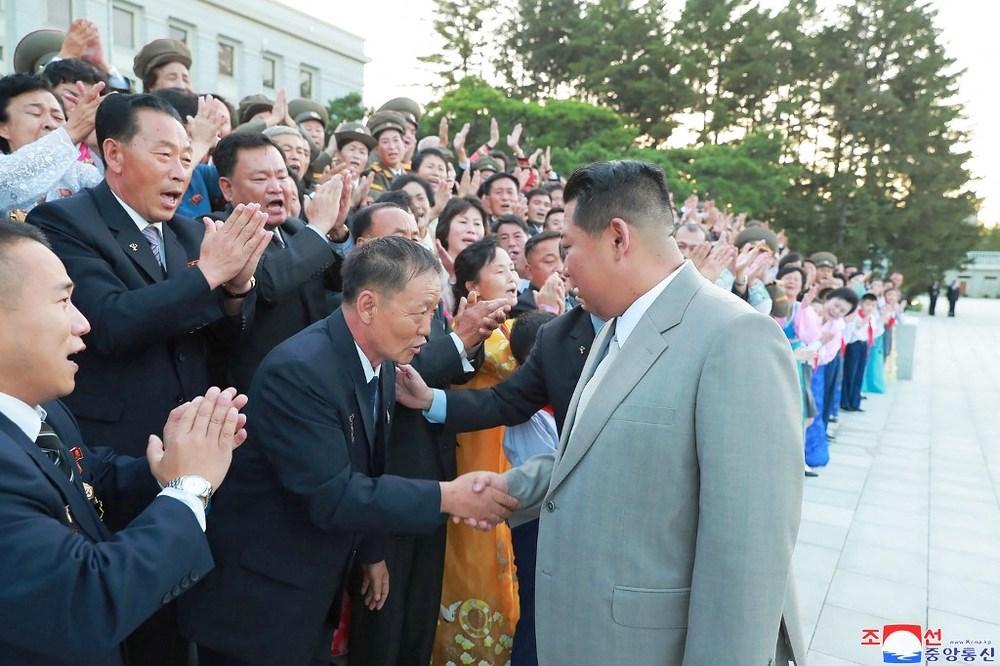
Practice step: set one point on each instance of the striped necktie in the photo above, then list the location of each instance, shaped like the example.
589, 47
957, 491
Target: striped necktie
53, 448
152, 235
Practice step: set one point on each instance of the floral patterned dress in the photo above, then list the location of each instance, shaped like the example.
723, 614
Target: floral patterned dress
479, 607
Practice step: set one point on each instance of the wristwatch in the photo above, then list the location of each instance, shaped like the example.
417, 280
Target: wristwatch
253, 285
196, 485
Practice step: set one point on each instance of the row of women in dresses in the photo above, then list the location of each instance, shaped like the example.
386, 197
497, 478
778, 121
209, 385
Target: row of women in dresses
843, 344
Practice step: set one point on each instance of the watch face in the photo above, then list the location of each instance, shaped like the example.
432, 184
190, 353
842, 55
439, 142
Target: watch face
195, 485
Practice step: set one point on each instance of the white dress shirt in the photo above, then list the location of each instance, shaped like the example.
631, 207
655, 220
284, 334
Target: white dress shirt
29, 420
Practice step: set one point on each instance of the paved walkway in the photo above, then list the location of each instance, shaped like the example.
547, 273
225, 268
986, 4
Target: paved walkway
903, 526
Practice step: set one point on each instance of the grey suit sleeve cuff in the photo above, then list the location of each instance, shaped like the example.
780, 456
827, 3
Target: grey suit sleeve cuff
529, 483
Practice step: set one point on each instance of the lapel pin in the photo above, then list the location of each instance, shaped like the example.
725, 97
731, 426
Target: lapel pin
350, 420
582, 350
387, 417
134, 247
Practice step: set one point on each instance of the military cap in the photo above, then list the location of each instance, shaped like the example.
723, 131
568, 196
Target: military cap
36, 49
302, 109
160, 52
486, 164
780, 305
824, 259
757, 233
353, 130
385, 120
280, 130
406, 107
251, 105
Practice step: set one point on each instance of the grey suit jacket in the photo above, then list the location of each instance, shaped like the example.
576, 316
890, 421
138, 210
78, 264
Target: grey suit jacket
670, 512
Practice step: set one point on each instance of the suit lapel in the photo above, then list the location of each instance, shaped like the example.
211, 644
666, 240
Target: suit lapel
176, 255
133, 243
78, 508
642, 349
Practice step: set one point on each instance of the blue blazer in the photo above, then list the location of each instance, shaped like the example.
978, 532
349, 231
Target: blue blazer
148, 348
300, 501
71, 591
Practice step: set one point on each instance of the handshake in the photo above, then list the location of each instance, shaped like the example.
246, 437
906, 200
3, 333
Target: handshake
477, 499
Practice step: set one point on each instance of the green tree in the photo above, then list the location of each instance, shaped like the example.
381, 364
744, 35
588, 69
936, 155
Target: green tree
348, 107
989, 239
460, 26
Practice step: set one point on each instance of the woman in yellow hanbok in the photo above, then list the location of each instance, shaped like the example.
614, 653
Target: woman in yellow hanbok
479, 608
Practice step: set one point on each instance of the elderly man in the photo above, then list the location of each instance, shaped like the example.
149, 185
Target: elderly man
648, 473
55, 491
294, 146
310, 495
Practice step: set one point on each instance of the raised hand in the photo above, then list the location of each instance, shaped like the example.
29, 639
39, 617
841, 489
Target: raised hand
475, 321
360, 194
720, 256
226, 249
199, 438
77, 36
206, 126
411, 389
279, 112
478, 499
494, 133
552, 296
80, 122
323, 208
514, 140
459, 143
446, 261
443, 132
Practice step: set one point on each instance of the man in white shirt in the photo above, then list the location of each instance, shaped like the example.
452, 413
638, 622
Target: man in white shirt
78, 589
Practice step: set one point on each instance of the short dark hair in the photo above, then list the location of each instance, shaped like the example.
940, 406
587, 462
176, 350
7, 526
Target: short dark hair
227, 150
499, 175
12, 86
510, 219
539, 238
419, 158
185, 102
469, 263
362, 220
11, 234
385, 265
538, 192
553, 210
789, 258
71, 70
524, 333
869, 296
457, 206
397, 198
632, 190
846, 294
402, 181
117, 116
551, 187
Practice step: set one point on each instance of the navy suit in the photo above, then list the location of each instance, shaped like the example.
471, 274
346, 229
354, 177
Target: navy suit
71, 591
292, 284
549, 376
300, 502
148, 348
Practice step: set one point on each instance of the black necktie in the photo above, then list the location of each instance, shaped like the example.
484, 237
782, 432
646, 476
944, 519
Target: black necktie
50, 444
378, 449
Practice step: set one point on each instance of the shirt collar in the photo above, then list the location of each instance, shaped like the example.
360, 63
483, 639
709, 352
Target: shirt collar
27, 418
140, 222
630, 318
366, 365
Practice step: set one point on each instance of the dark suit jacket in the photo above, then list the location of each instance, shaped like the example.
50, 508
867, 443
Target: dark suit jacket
298, 501
72, 591
147, 351
291, 294
421, 449
547, 377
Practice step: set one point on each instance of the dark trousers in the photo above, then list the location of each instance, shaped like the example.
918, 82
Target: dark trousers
831, 376
525, 540
158, 640
402, 633
930, 310
951, 307
854, 374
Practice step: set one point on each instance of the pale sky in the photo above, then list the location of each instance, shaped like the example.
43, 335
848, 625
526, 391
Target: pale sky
397, 32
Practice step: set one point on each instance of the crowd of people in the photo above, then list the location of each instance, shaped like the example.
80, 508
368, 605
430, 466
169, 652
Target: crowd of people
401, 313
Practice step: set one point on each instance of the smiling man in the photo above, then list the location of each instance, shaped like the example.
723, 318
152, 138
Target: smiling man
157, 288
309, 496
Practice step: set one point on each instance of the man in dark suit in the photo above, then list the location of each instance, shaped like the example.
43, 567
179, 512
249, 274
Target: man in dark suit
302, 260
74, 590
399, 628
155, 285
158, 288
307, 497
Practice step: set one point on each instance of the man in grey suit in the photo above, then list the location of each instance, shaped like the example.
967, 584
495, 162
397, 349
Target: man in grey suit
669, 514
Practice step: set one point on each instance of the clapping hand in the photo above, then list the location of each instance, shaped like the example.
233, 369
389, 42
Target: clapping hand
411, 389
552, 296
83, 111
476, 320
230, 251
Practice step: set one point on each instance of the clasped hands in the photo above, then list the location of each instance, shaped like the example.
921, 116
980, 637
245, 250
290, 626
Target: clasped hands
477, 499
